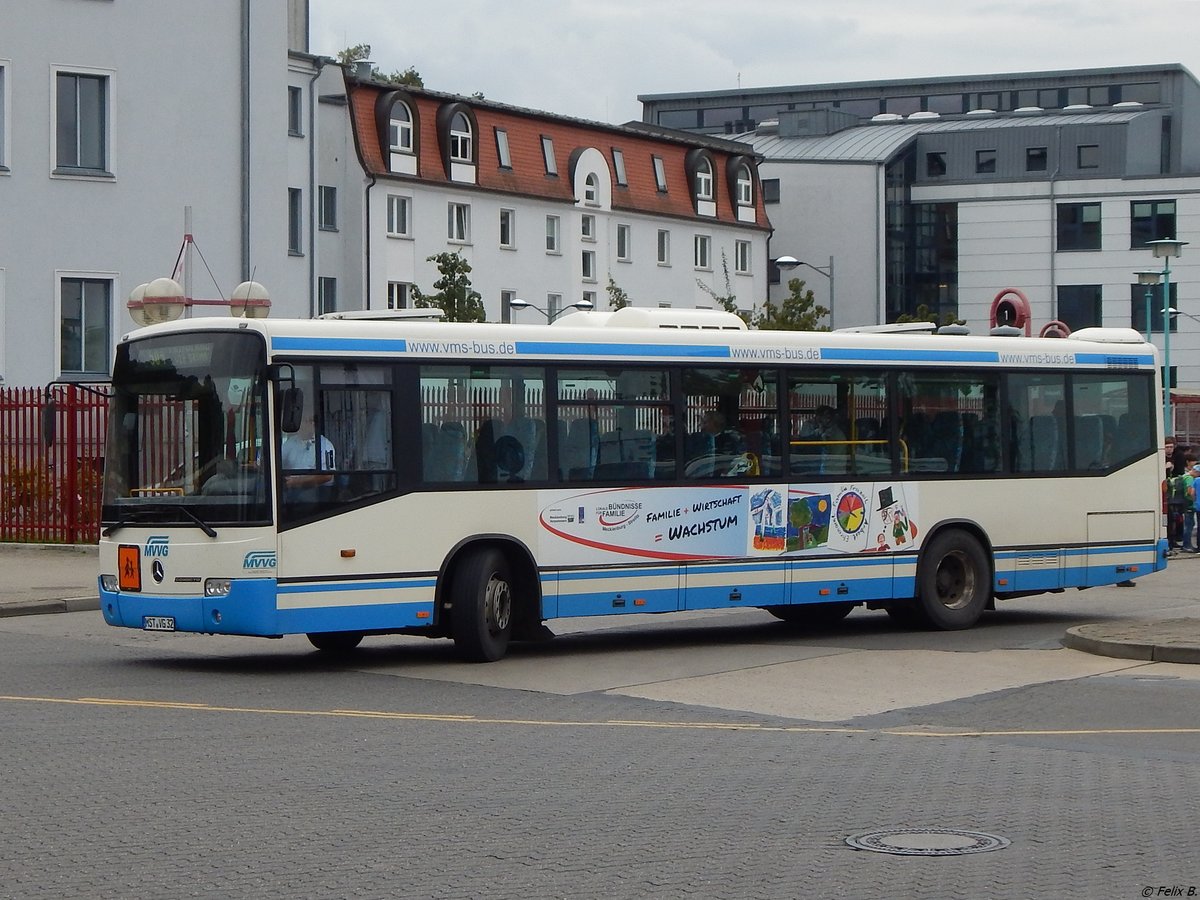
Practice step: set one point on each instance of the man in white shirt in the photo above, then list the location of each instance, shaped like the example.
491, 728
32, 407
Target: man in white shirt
305, 451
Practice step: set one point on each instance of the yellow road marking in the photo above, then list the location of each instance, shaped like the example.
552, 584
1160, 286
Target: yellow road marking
911, 732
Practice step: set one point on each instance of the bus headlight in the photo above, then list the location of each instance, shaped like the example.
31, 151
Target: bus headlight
108, 583
216, 587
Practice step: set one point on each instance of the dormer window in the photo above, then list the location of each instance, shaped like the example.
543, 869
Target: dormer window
460, 139
591, 189
745, 186
400, 131
704, 180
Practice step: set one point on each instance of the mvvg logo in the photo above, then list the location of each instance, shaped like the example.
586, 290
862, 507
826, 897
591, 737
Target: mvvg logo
259, 559
158, 545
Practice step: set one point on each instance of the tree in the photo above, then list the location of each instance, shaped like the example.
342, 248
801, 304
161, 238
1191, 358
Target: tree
362, 52
728, 300
924, 314
617, 298
454, 296
799, 311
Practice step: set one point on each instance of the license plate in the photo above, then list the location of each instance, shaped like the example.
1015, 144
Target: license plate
158, 623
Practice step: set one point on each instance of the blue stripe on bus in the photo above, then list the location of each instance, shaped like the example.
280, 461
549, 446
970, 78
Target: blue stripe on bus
348, 345
1115, 359
321, 587
989, 356
577, 348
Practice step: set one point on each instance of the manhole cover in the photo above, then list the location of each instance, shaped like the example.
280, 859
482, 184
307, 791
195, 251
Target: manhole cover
926, 841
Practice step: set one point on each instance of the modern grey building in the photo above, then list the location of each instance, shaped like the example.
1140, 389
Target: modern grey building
947, 192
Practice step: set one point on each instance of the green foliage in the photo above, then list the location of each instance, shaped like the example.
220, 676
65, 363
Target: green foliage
728, 300
924, 314
617, 298
362, 52
799, 311
454, 296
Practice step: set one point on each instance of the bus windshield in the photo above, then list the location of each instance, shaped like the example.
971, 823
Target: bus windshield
185, 443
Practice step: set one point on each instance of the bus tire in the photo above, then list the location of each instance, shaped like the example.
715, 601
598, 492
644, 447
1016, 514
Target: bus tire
335, 641
482, 612
815, 615
954, 581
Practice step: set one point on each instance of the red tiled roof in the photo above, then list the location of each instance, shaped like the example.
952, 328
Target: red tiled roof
528, 177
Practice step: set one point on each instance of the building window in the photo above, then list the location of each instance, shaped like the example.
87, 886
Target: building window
458, 223
590, 297
591, 189
295, 111
770, 190
460, 138
1036, 159
745, 186
295, 221
84, 324
1079, 226
502, 151
935, 164
81, 123
664, 247
1087, 156
548, 156
619, 166
624, 250
1140, 305
660, 174
552, 233
326, 295
589, 265
506, 299
3, 120
399, 215
400, 130
399, 294
587, 228
508, 229
985, 162
703, 252
704, 180
741, 257
1151, 220
553, 306
327, 208
1080, 305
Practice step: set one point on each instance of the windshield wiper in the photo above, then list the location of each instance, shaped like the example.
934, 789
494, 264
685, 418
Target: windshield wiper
201, 524
120, 523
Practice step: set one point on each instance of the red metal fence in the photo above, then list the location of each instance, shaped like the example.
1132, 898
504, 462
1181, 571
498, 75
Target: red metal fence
50, 492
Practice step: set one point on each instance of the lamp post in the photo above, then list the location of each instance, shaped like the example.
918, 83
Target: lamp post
788, 263
518, 303
1166, 249
1148, 280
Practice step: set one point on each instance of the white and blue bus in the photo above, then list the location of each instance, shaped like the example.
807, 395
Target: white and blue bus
348, 477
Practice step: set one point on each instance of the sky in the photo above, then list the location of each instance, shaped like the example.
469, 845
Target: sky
590, 60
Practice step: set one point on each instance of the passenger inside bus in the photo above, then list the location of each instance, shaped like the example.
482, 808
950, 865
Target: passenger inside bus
308, 461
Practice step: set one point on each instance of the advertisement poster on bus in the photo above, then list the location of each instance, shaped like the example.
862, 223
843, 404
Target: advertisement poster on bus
725, 522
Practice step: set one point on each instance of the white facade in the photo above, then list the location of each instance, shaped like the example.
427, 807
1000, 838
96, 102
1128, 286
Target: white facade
94, 200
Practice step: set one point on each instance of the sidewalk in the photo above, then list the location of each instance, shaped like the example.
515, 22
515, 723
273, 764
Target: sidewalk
47, 578
57, 578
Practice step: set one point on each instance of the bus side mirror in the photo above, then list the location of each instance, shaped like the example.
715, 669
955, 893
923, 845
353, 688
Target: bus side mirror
291, 410
49, 421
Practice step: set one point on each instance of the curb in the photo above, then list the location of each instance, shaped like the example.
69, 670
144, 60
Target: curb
1166, 640
44, 607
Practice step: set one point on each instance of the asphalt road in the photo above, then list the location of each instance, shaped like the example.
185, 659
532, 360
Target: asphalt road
701, 755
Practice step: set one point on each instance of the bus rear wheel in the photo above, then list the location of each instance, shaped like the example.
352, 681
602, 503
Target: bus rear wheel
482, 612
953, 581
335, 641
815, 615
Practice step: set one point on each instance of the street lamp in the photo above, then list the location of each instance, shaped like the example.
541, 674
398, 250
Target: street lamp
788, 263
518, 303
1166, 249
1148, 280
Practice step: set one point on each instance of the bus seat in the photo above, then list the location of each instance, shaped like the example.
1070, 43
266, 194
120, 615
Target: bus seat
531, 433
1043, 443
429, 440
946, 438
581, 449
450, 452
1089, 442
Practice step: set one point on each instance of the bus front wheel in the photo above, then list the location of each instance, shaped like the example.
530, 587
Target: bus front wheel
482, 612
953, 581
